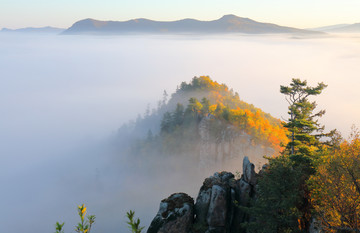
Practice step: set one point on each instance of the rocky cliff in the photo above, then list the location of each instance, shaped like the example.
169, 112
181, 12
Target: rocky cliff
229, 145
217, 208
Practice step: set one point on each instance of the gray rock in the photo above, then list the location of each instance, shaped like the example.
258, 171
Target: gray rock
226, 144
243, 191
218, 207
175, 215
249, 171
202, 206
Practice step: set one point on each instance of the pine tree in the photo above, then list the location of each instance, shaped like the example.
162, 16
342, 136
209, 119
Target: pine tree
205, 106
303, 126
194, 108
178, 115
304, 134
166, 123
283, 196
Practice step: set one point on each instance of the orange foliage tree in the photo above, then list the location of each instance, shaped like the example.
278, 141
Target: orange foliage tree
226, 105
336, 187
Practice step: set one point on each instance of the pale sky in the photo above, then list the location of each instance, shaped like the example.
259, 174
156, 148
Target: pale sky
63, 13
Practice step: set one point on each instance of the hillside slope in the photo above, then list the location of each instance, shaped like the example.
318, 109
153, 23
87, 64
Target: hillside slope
206, 122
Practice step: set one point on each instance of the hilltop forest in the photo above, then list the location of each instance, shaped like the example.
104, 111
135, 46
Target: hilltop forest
177, 126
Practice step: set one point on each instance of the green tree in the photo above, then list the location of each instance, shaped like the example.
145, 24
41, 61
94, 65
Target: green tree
205, 106
166, 123
303, 125
304, 147
226, 113
284, 197
194, 106
178, 115
193, 111
277, 196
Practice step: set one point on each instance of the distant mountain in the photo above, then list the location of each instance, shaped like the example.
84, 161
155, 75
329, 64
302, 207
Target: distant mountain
326, 28
226, 24
340, 28
48, 30
352, 28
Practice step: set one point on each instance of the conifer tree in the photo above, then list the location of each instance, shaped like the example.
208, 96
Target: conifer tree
166, 123
283, 196
302, 124
205, 106
194, 108
178, 115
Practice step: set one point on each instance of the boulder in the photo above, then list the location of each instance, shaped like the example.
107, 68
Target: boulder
176, 214
216, 209
249, 171
214, 204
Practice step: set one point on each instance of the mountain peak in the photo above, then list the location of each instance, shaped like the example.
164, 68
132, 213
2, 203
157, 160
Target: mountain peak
230, 16
226, 24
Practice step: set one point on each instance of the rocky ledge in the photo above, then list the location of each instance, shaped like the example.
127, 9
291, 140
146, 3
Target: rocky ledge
218, 207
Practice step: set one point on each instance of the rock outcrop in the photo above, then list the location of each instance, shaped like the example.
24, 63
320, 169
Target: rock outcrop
217, 209
222, 143
213, 208
175, 214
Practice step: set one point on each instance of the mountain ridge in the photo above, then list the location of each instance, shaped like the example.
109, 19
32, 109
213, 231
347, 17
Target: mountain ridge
48, 29
339, 28
226, 24
352, 28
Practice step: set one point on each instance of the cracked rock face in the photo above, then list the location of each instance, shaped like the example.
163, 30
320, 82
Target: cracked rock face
213, 204
216, 209
175, 215
249, 171
221, 143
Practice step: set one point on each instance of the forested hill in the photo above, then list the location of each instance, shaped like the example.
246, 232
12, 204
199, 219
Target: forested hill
204, 97
204, 119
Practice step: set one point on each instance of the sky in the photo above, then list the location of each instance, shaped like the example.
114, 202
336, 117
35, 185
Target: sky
63, 13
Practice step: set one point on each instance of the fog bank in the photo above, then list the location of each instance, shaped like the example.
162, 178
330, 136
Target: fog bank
62, 97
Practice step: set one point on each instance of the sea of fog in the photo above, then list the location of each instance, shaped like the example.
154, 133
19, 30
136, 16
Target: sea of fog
63, 97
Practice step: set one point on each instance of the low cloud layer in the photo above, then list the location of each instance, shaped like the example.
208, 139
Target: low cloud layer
62, 97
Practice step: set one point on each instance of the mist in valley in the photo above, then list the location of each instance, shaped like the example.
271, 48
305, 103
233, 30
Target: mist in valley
63, 99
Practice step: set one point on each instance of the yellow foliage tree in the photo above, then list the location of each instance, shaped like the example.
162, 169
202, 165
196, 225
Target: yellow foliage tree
336, 188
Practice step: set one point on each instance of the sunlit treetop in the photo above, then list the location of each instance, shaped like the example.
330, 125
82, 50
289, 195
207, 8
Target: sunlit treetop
204, 96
